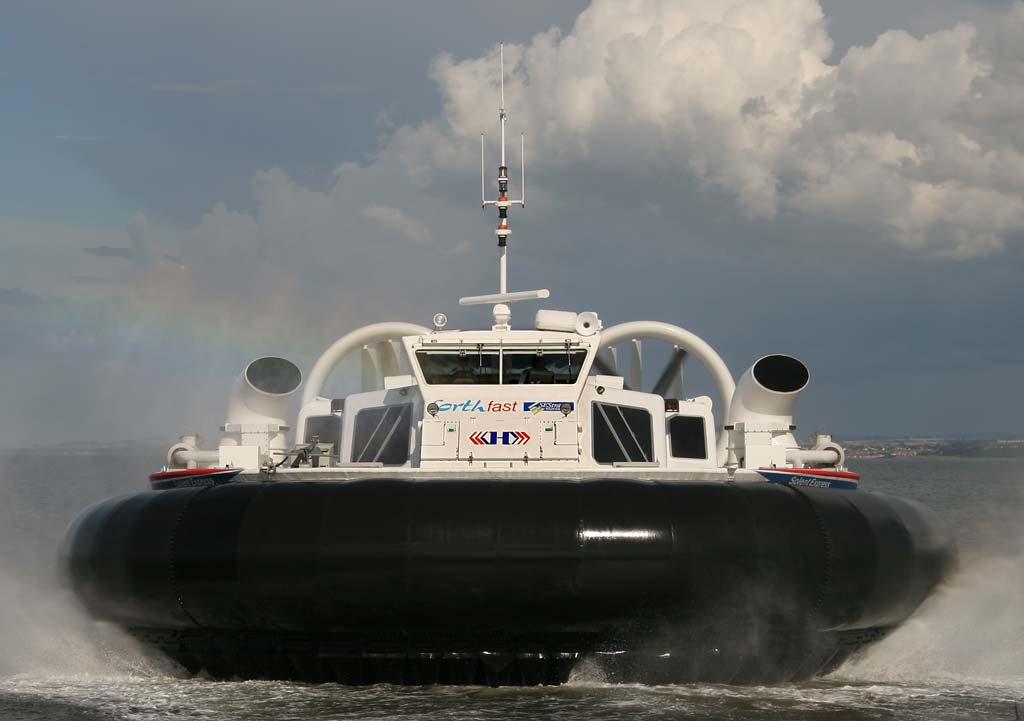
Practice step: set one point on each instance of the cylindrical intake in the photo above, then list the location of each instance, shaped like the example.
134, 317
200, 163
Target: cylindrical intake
767, 392
262, 391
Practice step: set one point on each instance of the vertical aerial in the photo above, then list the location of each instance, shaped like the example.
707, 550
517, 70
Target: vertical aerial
503, 203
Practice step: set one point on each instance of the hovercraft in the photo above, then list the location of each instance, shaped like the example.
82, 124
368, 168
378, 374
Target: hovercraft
499, 506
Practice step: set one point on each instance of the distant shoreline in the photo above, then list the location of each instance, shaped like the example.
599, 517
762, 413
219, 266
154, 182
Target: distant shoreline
967, 448
950, 459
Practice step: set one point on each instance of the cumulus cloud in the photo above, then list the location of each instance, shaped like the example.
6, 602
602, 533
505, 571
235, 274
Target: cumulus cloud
393, 220
911, 139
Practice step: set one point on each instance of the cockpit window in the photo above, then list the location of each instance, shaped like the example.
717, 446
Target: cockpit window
469, 367
493, 366
528, 367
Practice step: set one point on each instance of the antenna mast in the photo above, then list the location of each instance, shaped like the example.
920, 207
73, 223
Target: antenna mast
503, 203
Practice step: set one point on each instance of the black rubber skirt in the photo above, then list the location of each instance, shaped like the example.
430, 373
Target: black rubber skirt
507, 582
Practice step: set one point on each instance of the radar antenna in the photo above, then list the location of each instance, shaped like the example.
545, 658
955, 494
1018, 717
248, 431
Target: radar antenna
503, 203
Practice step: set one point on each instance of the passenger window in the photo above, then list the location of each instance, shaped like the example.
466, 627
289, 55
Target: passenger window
688, 439
381, 435
622, 434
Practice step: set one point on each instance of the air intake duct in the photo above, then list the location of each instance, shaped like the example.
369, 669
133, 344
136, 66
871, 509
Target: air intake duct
262, 391
767, 392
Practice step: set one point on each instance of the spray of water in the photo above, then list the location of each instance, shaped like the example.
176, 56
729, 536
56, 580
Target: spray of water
972, 629
43, 630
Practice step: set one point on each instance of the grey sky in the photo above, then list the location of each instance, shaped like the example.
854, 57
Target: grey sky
190, 185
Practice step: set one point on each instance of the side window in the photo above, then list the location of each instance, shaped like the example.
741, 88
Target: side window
381, 435
622, 434
688, 440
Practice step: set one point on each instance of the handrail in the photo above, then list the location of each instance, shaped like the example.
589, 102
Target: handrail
353, 341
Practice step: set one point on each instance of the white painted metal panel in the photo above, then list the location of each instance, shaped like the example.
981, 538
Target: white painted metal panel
448, 448
560, 440
247, 457
432, 433
567, 433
